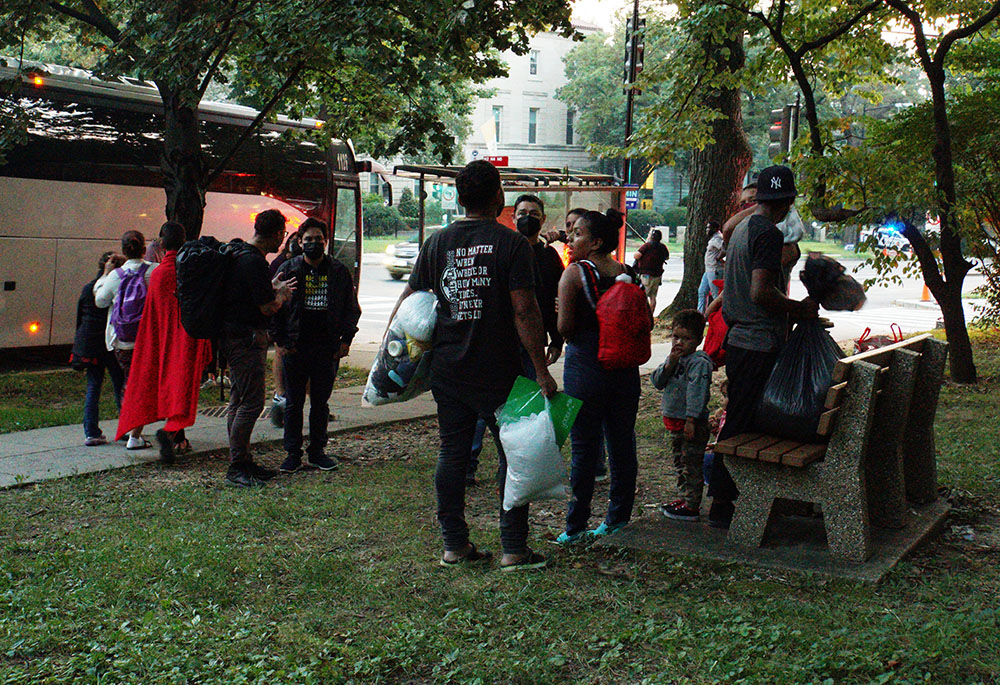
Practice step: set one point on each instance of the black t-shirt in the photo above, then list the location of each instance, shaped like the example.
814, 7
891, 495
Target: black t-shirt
247, 289
315, 285
472, 266
550, 269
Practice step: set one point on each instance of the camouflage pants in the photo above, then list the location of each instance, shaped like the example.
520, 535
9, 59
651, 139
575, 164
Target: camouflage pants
689, 457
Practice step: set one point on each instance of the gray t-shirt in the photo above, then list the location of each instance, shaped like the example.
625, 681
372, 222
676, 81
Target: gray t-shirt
755, 244
715, 254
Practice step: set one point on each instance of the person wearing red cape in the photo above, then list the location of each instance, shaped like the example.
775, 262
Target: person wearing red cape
168, 363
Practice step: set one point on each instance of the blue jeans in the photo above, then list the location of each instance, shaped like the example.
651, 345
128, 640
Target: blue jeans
706, 288
610, 404
92, 400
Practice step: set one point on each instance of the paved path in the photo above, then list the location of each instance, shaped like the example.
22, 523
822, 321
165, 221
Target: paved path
57, 452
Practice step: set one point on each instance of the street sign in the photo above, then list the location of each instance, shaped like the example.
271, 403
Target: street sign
496, 160
631, 203
448, 195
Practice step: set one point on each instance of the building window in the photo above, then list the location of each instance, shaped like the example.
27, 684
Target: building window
533, 125
533, 62
497, 118
570, 120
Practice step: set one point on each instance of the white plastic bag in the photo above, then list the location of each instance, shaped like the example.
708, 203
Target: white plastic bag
401, 370
417, 316
792, 227
535, 467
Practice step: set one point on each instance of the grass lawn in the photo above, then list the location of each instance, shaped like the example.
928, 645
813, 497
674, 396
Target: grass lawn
36, 399
156, 574
378, 245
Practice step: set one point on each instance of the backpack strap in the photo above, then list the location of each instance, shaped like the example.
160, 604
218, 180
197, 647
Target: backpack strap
590, 276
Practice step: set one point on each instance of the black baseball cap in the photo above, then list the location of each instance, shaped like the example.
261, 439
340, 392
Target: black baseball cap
776, 183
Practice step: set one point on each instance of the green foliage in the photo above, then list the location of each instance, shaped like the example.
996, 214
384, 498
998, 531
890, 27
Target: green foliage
641, 220
408, 205
675, 216
377, 220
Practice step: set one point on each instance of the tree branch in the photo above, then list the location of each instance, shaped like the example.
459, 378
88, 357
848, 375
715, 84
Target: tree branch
102, 22
249, 130
964, 32
214, 67
918, 31
780, 21
840, 30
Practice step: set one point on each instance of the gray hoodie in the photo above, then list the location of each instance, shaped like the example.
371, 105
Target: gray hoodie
686, 390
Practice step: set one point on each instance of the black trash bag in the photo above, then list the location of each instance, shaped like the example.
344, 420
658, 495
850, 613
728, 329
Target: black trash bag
796, 390
827, 284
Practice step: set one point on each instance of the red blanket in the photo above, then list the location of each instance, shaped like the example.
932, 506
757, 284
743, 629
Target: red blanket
167, 364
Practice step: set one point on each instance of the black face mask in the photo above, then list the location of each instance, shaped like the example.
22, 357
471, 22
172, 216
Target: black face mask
528, 225
313, 250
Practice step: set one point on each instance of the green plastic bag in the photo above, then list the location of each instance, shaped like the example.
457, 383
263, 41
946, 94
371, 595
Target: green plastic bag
526, 398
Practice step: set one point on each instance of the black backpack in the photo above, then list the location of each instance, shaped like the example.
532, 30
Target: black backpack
203, 266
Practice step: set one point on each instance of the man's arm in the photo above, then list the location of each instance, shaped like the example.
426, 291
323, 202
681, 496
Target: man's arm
283, 290
528, 321
764, 292
734, 221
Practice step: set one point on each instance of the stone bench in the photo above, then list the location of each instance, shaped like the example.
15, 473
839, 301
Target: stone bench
878, 422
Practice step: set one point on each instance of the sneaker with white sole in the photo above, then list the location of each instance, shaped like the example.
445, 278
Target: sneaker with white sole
679, 511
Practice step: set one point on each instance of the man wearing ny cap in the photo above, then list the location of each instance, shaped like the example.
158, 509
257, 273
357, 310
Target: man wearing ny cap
756, 309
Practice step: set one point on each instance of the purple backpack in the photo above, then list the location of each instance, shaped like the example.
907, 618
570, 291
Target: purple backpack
127, 310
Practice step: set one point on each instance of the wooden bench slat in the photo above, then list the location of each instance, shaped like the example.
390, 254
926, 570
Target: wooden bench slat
879, 356
773, 452
729, 445
803, 455
835, 395
827, 421
751, 449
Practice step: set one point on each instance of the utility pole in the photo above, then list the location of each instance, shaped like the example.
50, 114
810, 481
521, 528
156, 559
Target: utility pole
634, 48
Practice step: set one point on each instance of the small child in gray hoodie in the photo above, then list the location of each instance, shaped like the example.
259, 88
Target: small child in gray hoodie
685, 379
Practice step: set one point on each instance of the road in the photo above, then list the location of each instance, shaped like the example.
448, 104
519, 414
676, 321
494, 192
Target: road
378, 295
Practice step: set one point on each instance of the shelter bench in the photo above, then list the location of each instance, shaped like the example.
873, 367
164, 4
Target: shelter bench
878, 425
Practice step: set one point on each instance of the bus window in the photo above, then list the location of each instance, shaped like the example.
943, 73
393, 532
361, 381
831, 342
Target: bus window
343, 246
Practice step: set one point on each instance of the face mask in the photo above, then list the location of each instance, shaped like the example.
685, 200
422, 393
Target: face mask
528, 225
295, 250
313, 250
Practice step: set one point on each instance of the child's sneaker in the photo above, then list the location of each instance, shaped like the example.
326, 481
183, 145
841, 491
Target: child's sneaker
679, 511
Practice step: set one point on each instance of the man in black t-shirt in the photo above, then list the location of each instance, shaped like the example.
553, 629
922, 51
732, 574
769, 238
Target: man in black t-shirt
756, 310
649, 261
251, 297
483, 275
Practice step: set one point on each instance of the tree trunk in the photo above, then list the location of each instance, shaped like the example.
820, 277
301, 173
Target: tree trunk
717, 171
956, 266
182, 164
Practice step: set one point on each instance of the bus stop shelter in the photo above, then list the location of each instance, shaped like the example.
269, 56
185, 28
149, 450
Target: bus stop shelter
560, 189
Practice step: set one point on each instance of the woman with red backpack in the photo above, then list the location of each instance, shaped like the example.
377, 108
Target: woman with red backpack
123, 288
604, 317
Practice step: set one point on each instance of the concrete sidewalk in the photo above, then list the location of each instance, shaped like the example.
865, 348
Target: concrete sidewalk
57, 452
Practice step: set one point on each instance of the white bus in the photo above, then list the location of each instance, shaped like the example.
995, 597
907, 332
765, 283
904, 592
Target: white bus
90, 170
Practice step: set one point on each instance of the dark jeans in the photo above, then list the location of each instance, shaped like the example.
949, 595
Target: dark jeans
316, 366
610, 403
92, 400
747, 372
458, 412
247, 357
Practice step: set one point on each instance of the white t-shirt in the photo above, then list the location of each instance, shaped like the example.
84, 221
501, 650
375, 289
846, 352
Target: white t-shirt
106, 295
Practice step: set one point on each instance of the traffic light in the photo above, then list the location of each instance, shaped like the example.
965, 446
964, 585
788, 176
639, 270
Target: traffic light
629, 38
780, 132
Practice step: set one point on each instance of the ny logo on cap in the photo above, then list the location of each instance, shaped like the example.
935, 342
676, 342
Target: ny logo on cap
775, 183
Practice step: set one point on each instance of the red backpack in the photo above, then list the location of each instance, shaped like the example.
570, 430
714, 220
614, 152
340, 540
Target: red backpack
623, 318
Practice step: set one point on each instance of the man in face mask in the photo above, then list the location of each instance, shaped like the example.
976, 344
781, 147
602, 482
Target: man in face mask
315, 329
529, 216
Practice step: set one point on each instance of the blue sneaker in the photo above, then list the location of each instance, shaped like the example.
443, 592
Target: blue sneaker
565, 539
604, 529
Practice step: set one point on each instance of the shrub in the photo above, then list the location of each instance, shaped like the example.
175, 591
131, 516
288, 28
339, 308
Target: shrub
408, 205
641, 220
675, 216
378, 220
